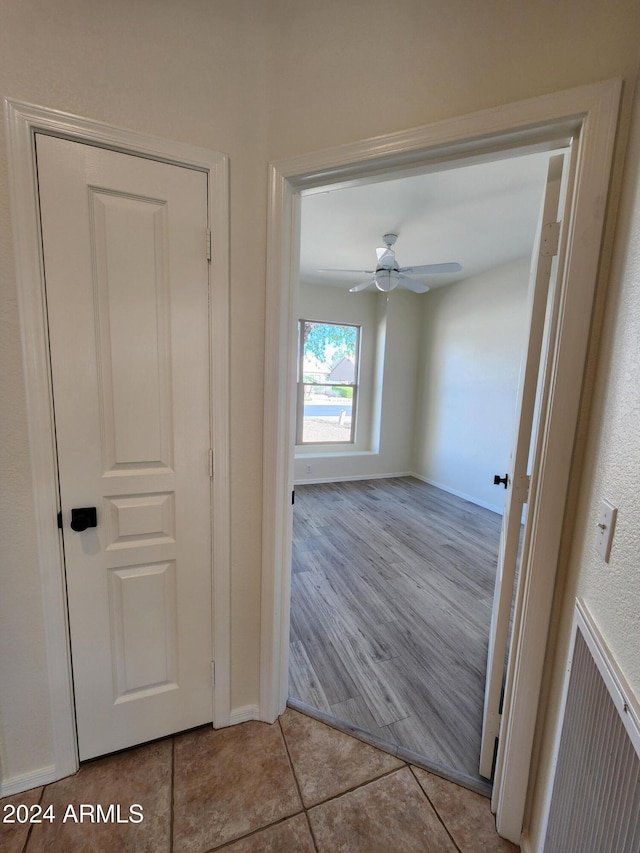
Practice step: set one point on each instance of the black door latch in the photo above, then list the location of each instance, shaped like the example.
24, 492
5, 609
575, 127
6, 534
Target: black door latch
497, 479
83, 517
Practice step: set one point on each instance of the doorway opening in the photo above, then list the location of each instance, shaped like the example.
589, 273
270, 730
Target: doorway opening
396, 530
586, 115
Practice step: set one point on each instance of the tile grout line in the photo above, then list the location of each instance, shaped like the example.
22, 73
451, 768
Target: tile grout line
359, 785
433, 806
304, 810
253, 832
353, 787
295, 779
362, 785
30, 830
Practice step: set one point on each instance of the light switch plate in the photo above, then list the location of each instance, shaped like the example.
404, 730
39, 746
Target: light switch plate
606, 527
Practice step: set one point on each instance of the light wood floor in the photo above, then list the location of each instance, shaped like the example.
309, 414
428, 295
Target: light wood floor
392, 587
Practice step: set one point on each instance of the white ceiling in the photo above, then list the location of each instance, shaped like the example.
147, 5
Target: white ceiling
479, 215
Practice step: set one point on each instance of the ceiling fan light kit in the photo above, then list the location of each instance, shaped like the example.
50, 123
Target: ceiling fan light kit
386, 280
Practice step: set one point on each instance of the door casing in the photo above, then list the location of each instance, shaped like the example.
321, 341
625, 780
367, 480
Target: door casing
23, 121
587, 115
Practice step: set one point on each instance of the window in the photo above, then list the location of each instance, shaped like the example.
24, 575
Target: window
328, 369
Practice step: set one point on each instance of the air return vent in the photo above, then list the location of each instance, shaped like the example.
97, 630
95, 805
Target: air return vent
595, 802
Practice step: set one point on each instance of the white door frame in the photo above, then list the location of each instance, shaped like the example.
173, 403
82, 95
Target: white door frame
588, 115
23, 121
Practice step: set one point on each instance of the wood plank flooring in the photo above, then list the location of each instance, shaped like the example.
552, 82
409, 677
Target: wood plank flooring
392, 586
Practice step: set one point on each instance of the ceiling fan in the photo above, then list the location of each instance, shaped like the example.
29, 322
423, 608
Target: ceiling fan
388, 275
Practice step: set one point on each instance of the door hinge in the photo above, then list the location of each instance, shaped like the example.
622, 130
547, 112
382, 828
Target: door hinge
60, 521
520, 488
213, 672
550, 239
210, 462
208, 243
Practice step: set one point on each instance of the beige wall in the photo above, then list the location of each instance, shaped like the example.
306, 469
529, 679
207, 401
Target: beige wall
261, 80
473, 334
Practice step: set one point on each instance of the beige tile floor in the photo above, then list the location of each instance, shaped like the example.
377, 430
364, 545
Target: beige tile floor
296, 786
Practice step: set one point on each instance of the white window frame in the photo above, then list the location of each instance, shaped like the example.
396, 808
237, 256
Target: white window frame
301, 385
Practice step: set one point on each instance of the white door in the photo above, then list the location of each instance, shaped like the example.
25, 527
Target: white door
127, 298
517, 483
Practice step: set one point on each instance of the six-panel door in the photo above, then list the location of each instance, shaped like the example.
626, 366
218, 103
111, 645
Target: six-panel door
127, 298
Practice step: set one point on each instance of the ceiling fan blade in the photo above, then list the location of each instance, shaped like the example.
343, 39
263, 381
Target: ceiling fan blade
362, 286
359, 272
410, 284
432, 269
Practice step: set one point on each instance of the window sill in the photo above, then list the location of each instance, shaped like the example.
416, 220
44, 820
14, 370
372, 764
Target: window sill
323, 454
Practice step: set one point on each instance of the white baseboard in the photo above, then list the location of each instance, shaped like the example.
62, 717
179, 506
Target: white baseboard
312, 481
26, 781
498, 510
244, 714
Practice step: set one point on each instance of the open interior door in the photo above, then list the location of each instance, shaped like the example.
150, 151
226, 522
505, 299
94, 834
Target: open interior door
517, 479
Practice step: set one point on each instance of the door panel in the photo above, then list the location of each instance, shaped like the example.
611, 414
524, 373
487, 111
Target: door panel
127, 297
143, 629
542, 268
129, 237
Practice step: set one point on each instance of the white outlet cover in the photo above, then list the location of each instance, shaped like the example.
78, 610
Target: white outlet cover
606, 527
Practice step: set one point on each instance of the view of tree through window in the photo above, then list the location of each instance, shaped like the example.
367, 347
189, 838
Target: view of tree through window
327, 382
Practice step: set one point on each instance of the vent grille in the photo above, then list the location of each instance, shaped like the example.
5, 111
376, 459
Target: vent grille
595, 805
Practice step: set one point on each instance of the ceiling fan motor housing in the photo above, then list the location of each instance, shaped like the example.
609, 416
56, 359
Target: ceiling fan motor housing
386, 260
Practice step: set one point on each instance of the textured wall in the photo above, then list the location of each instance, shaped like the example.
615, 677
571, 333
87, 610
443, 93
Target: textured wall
612, 590
350, 69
